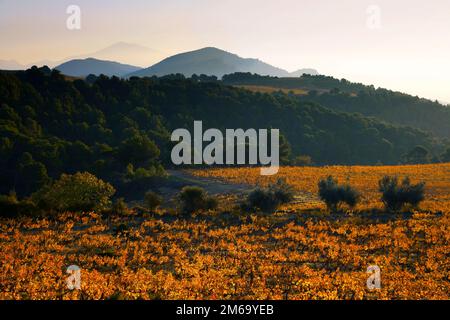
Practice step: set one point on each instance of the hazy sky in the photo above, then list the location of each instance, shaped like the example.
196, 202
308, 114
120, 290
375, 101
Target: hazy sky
402, 45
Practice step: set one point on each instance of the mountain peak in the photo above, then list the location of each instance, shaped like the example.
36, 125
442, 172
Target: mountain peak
209, 61
86, 66
127, 53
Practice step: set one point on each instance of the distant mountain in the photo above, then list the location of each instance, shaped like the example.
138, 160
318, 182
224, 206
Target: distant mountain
10, 65
84, 67
122, 52
127, 53
126, 59
301, 72
210, 61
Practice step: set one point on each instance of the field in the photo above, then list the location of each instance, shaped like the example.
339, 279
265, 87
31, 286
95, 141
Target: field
298, 252
364, 178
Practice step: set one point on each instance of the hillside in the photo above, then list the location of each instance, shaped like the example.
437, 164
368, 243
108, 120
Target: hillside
119, 130
210, 61
345, 96
85, 67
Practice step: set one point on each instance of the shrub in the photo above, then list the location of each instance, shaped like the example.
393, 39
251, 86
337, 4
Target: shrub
194, 198
349, 195
417, 155
334, 194
78, 192
302, 161
395, 196
9, 205
120, 207
152, 200
270, 198
445, 157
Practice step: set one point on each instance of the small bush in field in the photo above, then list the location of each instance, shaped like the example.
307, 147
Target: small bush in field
349, 195
302, 161
9, 205
270, 198
194, 198
120, 207
152, 200
395, 196
333, 194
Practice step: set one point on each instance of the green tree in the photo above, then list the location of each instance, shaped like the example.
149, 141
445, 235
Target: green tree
285, 150
81, 191
31, 175
138, 150
445, 157
418, 155
152, 200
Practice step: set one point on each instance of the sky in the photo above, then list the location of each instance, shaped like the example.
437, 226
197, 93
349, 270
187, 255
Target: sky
400, 45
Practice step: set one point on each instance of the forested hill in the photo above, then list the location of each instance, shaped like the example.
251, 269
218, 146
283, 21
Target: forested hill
120, 129
342, 95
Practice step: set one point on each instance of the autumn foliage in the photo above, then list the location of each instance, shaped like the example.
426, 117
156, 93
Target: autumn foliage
298, 252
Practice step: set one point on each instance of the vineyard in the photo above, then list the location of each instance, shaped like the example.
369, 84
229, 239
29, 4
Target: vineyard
299, 252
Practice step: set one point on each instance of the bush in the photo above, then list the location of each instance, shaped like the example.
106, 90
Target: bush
349, 195
302, 161
120, 207
417, 155
78, 192
334, 194
395, 196
152, 200
270, 198
194, 198
9, 205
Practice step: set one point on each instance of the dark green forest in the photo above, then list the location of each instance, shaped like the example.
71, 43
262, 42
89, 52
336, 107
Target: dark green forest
119, 130
343, 95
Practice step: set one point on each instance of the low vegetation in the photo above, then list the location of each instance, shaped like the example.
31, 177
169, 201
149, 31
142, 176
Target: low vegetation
152, 200
120, 207
334, 194
294, 253
270, 198
396, 196
193, 199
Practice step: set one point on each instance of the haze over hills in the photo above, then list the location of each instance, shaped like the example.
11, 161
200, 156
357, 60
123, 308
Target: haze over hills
10, 65
126, 53
121, 57
84, 67
211, 61
121, 52
300, 72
